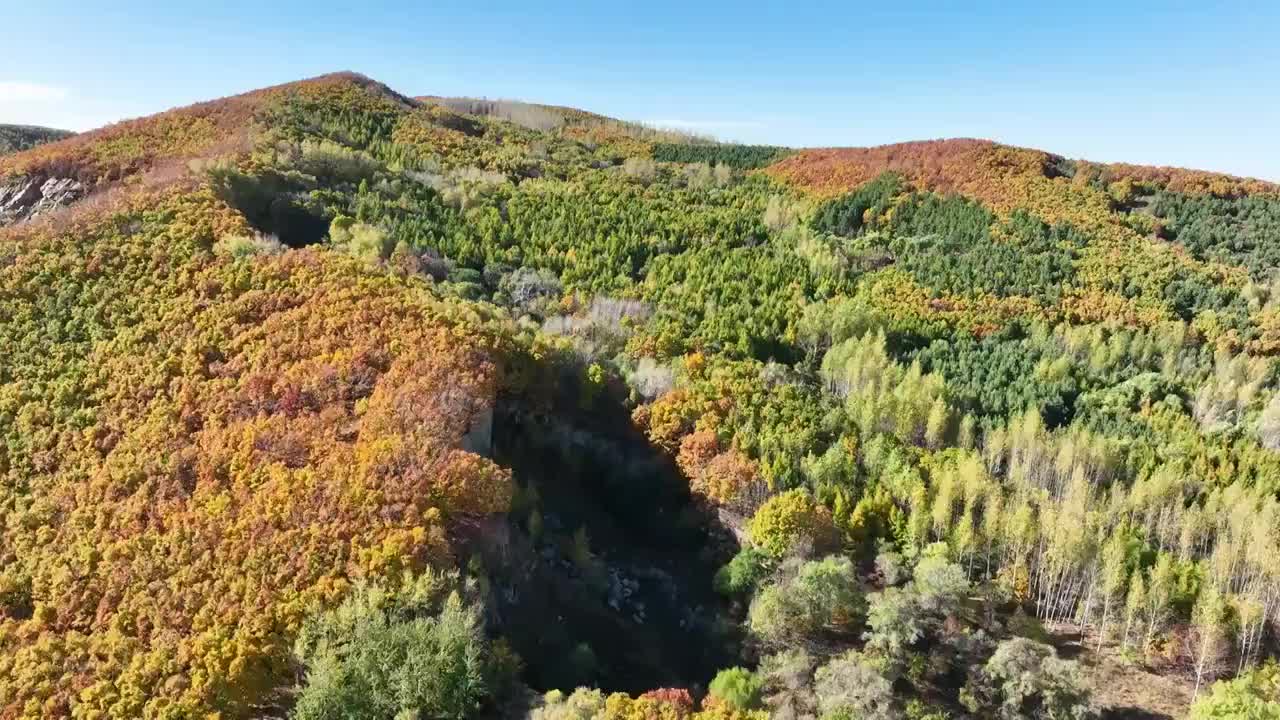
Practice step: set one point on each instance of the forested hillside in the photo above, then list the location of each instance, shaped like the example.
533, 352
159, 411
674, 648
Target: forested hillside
20, 137
326, 402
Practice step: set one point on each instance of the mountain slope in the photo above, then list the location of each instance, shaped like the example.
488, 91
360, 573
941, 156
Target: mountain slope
127, 148
321, 390
969, 166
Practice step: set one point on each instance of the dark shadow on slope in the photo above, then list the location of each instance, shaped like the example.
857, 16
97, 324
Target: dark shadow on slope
271, 204
1133, 714
606, 578
1068, 643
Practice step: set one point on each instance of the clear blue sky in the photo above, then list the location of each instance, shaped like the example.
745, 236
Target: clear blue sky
1182, 83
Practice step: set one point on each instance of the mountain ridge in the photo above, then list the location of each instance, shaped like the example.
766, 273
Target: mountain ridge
877, 158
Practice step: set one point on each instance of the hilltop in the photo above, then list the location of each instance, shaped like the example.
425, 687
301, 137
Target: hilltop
328, 401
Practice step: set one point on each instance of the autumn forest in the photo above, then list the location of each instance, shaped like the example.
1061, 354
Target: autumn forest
327, 402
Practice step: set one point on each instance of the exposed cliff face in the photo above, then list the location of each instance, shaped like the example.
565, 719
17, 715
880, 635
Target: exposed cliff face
25, 197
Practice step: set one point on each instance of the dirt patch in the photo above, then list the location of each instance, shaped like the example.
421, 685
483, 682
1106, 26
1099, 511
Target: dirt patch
1122, 688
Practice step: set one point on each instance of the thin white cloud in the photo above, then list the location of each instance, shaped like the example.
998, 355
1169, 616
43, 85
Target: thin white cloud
30, 92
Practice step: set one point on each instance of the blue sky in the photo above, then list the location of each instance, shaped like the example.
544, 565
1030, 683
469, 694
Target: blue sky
1191, 84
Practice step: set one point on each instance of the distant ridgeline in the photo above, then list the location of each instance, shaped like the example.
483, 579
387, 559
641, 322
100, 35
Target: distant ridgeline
21, 137
323, 401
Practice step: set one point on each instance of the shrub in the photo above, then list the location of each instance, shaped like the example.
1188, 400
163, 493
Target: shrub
527, 288
792, 522
1025, 679
940, 584
719, 711
662, 704
831, 593
741, 575
893, 570
786, 677
849, 689
823, 596
775, 617
897, 622
360, 240
652, 379
1255, 696
583, 704
642, 168
237, 247
1232, 701
374, 659
919, 710
738, 687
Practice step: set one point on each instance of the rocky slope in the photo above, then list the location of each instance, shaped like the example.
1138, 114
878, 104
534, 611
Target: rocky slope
26, 197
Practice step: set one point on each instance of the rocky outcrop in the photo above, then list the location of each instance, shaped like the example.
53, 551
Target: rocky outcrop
23, 198
479, 436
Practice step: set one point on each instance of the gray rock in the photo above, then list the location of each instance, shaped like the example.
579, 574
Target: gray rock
26, 197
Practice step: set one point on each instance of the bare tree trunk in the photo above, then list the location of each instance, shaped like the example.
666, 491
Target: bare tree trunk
1102, 629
